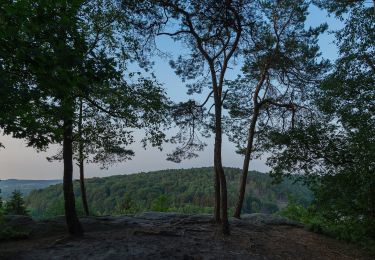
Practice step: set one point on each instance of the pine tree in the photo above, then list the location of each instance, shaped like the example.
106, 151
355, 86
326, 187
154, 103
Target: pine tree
16, 204
281, 68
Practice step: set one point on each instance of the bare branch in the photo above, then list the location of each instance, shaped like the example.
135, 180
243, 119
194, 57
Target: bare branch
173, 34
205, 102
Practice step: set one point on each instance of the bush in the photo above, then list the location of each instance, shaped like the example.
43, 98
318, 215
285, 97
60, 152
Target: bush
346, 228
10, 233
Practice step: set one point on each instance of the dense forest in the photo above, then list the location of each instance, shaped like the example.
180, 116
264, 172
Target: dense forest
187, 191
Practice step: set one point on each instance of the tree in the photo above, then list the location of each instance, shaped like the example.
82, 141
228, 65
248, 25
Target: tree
160, 204
335, 151
212, 32
56, 64
96, 140
101, 141
280, 69
16, 205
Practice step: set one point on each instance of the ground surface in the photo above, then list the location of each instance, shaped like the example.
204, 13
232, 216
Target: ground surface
176, 236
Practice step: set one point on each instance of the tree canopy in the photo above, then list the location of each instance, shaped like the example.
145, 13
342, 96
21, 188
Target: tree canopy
55, 63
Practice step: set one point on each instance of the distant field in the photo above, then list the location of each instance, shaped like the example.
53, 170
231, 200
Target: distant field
25, 186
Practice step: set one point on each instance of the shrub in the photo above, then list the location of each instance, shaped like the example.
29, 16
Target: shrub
354, 230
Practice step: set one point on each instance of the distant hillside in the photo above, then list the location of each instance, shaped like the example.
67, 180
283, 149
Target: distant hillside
25, 186
179, 190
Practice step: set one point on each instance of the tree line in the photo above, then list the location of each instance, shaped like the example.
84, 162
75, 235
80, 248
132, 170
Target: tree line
64, 79
182, 190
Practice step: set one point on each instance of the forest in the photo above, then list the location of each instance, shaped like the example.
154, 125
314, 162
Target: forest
186, 191
67, 78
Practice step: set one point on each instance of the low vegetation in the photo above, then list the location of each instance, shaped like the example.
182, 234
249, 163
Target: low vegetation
349, 229
14, 206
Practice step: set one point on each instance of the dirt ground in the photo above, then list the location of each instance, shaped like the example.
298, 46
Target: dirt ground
177, 236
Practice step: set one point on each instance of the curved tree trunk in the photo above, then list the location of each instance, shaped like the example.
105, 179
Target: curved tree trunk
82, 161
246, 162
250, 141
74, 226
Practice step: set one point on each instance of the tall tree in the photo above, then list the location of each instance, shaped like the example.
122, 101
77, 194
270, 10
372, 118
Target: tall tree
280, 69
212, 32
56, 63
103, 139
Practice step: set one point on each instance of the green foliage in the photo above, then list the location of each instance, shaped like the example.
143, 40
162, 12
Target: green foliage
76, 57
335, 146
160, 204
295, 211
282, 66
253, 204
359, 231
187, 191
15, 205
9, 233
60, 57
1, 209
126, 206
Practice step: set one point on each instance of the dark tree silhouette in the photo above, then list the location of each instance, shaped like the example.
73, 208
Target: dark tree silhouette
57, 63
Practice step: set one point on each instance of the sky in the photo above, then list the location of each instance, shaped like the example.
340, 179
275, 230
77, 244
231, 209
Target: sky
20, 162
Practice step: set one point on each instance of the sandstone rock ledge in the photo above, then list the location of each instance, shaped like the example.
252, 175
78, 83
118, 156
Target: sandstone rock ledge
153, 235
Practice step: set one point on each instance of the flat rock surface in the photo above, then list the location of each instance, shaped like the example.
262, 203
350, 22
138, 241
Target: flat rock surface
154, 235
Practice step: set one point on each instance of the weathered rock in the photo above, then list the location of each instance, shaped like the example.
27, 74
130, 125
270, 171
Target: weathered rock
161, 215
155, 235
18, 220
268, 219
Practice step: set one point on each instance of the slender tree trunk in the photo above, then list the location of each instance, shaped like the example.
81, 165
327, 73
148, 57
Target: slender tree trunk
246, 162
83, 188
219, 168
217, 194
82, 162
74, 226
250, 140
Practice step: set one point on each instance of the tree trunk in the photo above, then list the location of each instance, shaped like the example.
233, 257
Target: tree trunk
217, 195
81, 163
74, 226
83, 188
219, 168
250, 140
246, 162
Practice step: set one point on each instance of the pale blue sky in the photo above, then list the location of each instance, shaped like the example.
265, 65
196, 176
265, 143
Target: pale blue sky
20, 162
